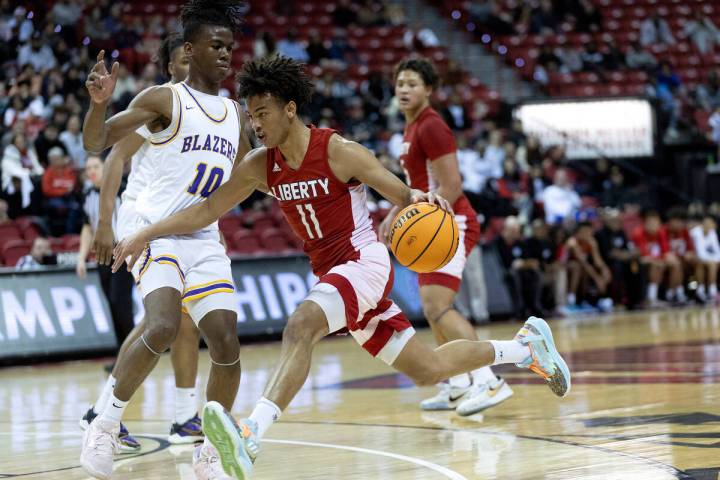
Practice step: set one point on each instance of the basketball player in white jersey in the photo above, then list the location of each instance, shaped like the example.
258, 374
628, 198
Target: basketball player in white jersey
194, 137
184, 351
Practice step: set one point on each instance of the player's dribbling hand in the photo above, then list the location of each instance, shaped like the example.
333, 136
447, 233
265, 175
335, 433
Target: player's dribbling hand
129, 248
103, 243
385, 228
100, 83
430, 197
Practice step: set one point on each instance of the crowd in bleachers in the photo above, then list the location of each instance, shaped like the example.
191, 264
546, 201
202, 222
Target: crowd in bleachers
534, 204
664, 49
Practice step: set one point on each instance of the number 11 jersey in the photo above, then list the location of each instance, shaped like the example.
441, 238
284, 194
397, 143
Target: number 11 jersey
192, 157
329, 215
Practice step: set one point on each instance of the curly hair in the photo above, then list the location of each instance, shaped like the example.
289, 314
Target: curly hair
422, 66
281, 77
197, 13
167, 47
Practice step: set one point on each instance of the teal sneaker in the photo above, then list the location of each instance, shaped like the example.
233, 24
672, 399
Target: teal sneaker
237, 445
544, 358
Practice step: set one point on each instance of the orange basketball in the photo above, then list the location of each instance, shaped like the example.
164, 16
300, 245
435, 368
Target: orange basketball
424, 237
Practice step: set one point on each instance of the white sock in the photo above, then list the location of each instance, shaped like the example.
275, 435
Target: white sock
509, 351
713, 290
652, 291
114, 409
571, 299
265, 414
680, 293
463, 380
107, 390
483, 375
185, 404
701, 290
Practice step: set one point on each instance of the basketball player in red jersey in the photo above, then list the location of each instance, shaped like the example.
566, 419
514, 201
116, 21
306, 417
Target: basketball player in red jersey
318, 176
430, 164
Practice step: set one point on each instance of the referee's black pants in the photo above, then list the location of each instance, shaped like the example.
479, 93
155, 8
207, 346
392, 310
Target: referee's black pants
118, 289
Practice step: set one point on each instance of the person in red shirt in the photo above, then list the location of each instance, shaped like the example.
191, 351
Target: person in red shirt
585, 265
430, 162
652, 243
58, 187
681, 245
319, 178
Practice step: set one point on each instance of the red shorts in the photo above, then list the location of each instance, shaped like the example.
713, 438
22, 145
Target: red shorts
450, 275
355, 295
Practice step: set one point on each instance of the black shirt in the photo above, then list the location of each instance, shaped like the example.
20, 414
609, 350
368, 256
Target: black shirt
539, 249
508, 253
609, 240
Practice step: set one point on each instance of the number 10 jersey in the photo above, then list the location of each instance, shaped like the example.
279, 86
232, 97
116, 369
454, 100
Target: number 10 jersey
192, 157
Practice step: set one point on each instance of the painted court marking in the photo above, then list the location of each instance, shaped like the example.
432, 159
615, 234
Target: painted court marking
446, 472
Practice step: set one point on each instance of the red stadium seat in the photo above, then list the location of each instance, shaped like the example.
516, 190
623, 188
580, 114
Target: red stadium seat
9, 232
274, 240
245, 241
13, 250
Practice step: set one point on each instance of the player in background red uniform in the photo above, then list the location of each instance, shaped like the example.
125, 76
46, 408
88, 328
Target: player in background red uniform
652, 243
681, 245
430, 163
318, 176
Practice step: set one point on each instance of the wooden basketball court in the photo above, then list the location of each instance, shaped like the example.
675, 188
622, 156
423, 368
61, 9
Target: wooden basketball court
645, 405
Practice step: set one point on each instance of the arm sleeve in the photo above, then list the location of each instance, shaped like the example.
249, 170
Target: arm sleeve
436, 138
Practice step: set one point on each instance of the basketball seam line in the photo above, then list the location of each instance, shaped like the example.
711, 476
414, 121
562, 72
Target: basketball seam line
407, 227
431, 240
451, 251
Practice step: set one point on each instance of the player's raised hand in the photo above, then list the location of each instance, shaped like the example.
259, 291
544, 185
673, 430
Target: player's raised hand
100, 83
430, 197
128, 251
103, 243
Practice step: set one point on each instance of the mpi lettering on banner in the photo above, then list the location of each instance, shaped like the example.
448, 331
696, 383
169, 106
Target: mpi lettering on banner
53, 312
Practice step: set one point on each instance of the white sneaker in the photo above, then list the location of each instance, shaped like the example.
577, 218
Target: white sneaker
100, 443
483, 396
206, 464
448, 398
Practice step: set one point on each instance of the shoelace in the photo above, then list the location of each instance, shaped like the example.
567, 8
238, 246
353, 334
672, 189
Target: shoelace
97, 444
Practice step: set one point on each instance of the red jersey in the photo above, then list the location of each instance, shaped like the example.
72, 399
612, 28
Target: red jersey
330, 216
648, 245
426, 139
679, 242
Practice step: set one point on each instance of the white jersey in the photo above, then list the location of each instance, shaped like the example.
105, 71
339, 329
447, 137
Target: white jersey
192, 157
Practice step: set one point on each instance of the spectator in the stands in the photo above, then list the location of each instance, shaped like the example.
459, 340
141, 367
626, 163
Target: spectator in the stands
125, 84
20, 170
703, 32
656, 256
637, 58
514, 188
495, 153
621, 257
543, 18
343, 15
37, 53
707, 247
508, 246
548, 59
654, 31
592, 58
587, 271
499, 22
714, 123
613, 58
20, 24
264, 45
587, 17
47, 140
707, 94
291, 46
72, 139
39, 255
667, 78
316, 49
571, 59
560, 200
58, 187
455, 114
615, 193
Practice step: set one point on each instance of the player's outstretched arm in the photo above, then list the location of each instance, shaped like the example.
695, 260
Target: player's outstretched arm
350, 160
149, 105
247, 177
121, 153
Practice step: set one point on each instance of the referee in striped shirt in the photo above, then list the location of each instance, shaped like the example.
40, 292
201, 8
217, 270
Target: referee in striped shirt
117, 286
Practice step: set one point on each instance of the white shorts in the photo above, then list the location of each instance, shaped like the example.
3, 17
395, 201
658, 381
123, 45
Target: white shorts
198, 268
451, 274
354, 295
